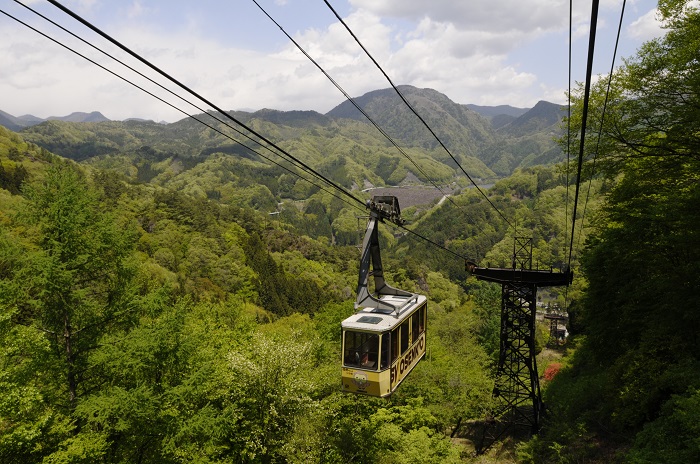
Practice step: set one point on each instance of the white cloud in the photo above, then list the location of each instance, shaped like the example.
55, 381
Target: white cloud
467, 65
463, 49
646, 27
81, 6
136, 10
527, 17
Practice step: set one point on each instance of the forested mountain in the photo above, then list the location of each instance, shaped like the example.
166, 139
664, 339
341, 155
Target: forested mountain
79, 116
527, 140
146, 321
151, 310
342, 137
458, 127
142, 324
16, 123
491, 112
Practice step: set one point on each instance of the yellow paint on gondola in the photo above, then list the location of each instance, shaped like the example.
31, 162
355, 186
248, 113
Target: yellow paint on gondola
376, 370
384, 340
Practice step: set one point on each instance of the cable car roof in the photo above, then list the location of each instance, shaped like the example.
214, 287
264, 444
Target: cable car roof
376, 320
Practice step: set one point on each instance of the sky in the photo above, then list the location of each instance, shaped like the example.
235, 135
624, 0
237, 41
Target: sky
484, 52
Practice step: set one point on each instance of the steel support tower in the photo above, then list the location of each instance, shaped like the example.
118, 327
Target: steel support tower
517, 387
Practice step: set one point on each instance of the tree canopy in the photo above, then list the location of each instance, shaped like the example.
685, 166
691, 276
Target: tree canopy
637, 373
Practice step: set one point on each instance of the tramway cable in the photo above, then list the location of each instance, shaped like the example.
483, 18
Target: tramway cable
584, 118
454, 253
396, 89
192, 116
210, 114
568, 120
355, 104
173, 106
602, 120
205, 100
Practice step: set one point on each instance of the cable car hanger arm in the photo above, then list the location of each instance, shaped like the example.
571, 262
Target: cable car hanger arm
381, 208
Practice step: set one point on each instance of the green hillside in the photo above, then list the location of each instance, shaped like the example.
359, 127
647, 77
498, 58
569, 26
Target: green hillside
140, 322
525, 141
153, 310
178, 293
343, 136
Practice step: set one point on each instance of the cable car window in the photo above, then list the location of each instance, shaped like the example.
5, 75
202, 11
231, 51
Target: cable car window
386, 350
421, 319
414, 326
404, 337
361, 349
394, 345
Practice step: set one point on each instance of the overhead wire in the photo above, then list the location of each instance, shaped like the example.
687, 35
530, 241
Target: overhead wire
602, 120
373, 122
167, 103
584, 117
432, 242
424, 238
294, 159
568, 144
403, 98
355, 104
179, 109
203, 99
568, 120
131, 68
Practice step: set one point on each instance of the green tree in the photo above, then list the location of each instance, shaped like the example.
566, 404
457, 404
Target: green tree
71, 283
640, 359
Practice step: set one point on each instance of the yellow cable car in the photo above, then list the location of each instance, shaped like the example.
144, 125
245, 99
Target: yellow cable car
380, 348
386, 337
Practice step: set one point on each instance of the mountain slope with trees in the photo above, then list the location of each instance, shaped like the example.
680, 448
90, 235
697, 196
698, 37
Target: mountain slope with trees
188, 303
143, 324
633, 385
342, 137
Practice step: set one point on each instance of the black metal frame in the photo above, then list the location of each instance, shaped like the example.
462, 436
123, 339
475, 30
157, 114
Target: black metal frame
517, 386
381, 208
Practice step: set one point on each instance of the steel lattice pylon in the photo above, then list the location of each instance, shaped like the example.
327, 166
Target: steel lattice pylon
517, 386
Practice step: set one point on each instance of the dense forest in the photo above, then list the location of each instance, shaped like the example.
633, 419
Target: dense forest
144, 325
153, 310
630, 391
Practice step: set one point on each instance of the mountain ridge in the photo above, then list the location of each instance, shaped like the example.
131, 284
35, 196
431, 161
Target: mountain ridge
17, 123
342, 140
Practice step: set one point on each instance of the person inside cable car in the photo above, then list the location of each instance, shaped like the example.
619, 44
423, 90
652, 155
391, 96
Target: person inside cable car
361, 350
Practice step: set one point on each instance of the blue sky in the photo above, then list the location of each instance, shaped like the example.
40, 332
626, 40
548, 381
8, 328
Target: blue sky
487, 52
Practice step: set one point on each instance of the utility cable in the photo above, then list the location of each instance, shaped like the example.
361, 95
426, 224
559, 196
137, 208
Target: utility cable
568, 120
173, 106
432, 242
354, 102
454, 253
568, 141
396, 89
602, 120
187, 114
584, 118
266, 147
200, 97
